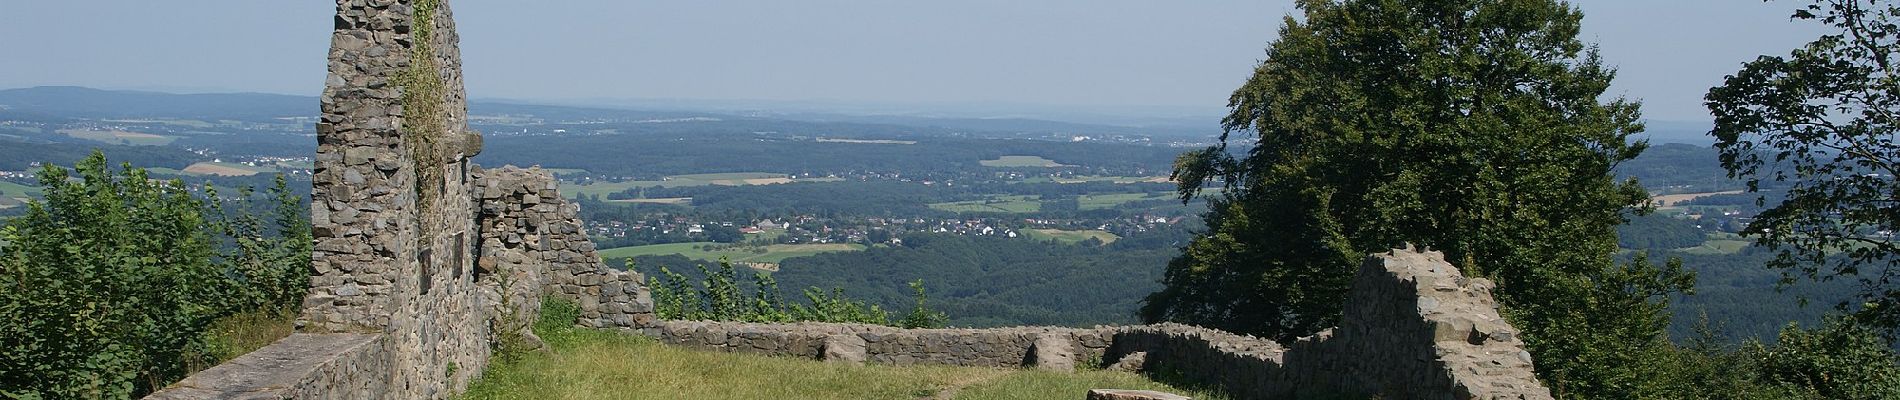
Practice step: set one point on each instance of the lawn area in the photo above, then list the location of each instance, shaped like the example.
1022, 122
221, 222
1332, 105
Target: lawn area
586, 364
1022, 161
754, 254
119, 137
1071, 236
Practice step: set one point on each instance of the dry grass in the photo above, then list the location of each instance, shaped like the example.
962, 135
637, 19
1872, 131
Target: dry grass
590, 364
243, 333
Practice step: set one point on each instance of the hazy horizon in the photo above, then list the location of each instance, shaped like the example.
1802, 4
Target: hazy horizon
990, 56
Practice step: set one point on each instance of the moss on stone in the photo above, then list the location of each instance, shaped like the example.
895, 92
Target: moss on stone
423, 91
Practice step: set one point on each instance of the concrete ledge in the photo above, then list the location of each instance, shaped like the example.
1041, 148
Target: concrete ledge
302, 366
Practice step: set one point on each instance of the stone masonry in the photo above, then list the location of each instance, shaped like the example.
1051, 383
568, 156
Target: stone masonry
397, 304
533, 234
422, 258
1414, 329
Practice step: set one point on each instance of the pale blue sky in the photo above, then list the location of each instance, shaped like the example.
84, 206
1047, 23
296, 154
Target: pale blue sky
1177, 55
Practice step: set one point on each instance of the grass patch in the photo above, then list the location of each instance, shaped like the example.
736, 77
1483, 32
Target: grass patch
244, 333
586, 364
1037, 385
708, 251
119, 137
1071, 237
1022, 161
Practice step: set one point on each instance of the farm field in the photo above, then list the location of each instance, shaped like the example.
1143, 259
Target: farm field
742, 254
225, 169
667, 200
1719, 244
602, 189
866, 141
174, 122
1029, 204
1113, 179
1022, 161
15, 195
1071, 236
1101, 201
1671, 200
1008, 204
119, 137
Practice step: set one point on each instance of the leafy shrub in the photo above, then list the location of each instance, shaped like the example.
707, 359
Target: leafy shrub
108, 286
720, 298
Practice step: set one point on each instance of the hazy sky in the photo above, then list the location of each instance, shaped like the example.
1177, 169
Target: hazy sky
1089, 53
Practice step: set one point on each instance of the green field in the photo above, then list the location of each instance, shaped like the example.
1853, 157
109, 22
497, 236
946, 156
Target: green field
1022, 161
119, 137
1101, 201
15, 195
1718, 244
585, 364
1008, 204
10, 189
729, 179
1030, 204
759, 254
1070, 236
174, 122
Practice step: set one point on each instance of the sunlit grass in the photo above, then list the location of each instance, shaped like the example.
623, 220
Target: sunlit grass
586, 364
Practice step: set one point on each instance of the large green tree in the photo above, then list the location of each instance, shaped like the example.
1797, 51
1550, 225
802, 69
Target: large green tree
1474, 127
1821, 122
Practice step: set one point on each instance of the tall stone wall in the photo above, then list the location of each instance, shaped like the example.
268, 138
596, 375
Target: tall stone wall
392, 223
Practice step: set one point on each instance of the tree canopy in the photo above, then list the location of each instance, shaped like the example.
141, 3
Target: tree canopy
1471, 127
1821, 121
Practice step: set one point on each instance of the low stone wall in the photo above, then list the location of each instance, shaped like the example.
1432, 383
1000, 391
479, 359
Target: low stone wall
1000, 347
1244, 366
1414, 328
338, 366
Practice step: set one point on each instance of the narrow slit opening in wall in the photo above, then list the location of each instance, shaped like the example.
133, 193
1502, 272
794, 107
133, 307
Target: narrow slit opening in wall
460, 249
425, 259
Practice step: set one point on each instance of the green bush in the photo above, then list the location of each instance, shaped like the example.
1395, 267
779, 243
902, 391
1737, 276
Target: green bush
108, 286
720, 298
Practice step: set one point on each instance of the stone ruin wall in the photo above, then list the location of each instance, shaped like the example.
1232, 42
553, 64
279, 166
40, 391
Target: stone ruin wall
1414, 329
536, 237
421, 257
397, 307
